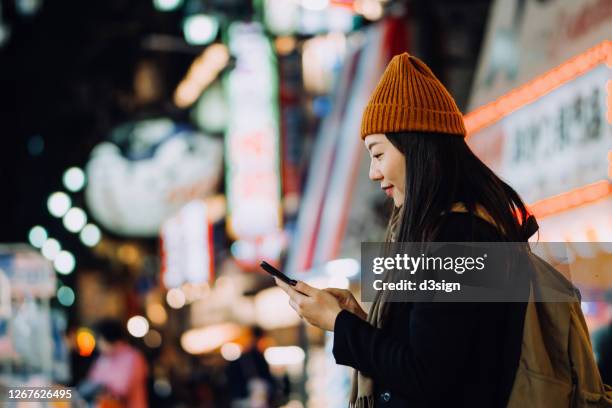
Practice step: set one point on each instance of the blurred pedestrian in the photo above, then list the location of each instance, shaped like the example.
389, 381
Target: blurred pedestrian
118, 377
250, 381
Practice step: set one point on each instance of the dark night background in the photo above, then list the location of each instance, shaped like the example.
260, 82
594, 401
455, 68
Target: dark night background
67, 72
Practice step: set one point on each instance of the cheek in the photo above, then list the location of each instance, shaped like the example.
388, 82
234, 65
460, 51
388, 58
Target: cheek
397, 171
388, 171
385, 170
401, 175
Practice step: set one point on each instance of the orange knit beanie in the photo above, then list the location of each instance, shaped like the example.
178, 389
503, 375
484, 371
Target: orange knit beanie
410, 98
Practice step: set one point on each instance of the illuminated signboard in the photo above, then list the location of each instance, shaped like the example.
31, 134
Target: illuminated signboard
28, 273
525, 38
252, 138
556, 143
187, 249
147, 171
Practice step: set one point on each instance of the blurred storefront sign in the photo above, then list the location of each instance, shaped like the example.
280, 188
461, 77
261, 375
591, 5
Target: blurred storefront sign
247, 252
28, 273
292, 126
29, 347
338, 201
322, 57
525, 38
252, 138
591, 222
557, 143
187, 247
286, 17
146, 172
281, 16
551, 139
5, 295
587, 229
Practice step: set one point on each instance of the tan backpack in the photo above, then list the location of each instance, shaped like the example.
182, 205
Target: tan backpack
557, 368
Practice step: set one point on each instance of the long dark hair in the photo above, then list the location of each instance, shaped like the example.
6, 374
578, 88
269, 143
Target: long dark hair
441, 170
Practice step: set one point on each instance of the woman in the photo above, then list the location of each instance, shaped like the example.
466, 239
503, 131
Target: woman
426, 354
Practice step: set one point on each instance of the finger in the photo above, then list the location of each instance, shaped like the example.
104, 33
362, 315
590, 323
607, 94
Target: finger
294, 306
280, 282
283, 286
297, 297
305, 288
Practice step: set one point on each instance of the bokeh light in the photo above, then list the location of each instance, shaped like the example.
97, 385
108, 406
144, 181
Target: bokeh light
65, 296
138, 326
167, 5
51, 248
58, 204
74, 179
200, 29
153, 339
75, 219
231, 351
86, 342
64, 262
175, 298
162, 387
90, 235
157, 314
284, 355
37, 236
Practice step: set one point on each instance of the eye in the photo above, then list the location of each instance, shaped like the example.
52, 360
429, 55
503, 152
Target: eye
378, 156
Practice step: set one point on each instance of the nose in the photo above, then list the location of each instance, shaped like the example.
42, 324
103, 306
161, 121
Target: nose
374, 174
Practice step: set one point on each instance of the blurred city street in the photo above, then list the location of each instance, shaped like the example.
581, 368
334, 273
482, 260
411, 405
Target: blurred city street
154, 152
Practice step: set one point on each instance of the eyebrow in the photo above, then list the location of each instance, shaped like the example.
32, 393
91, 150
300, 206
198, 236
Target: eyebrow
372, 145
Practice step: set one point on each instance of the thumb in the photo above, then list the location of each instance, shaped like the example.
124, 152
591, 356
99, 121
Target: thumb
305, 288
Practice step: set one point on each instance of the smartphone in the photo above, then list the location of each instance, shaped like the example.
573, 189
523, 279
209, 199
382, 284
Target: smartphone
275, 272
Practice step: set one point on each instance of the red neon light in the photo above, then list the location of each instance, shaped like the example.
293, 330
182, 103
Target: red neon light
492, 112
571, 199
538, 87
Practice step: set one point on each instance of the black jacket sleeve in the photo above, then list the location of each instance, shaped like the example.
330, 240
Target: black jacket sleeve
431, 362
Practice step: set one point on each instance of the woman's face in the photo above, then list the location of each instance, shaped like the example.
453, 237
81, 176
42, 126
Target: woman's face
387, 166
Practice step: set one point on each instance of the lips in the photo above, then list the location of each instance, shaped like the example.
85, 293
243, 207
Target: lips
388, 191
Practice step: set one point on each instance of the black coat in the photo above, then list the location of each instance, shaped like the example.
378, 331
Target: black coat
438, 354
